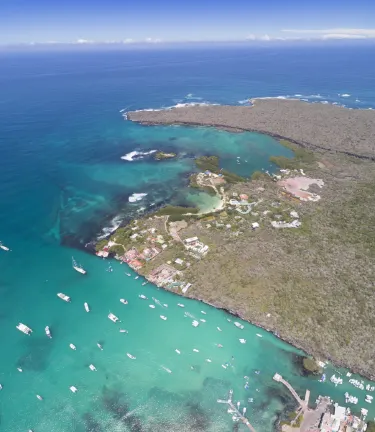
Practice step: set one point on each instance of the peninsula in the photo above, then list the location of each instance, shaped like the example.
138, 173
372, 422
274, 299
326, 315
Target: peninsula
292, 252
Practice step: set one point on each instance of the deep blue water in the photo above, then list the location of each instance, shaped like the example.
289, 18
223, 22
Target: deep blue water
62, 180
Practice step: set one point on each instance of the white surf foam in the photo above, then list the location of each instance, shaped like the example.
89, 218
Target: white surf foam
344, 95
136, 154
114, 224
136, 197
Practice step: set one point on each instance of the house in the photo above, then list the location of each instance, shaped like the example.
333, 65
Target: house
254, 225
131, 254
135, 264
244, 197
191, 240
179, 261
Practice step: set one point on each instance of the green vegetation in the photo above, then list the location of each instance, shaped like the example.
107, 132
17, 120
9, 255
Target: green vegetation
302, 157
211, 163
100, 245
161, 155
117, 249
311, 366
291, 422
175, 211
259, 175
370, 426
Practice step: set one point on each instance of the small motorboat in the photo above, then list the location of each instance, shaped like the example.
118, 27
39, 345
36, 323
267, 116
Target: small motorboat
178, 351
219, 328
113, 317
180, 305
203, 312
128, 274
24, 329
99, 346
39, 397
123, 331
238, 325
78, 267
195, 350
131, 356
208, 360
73, 389
166, 369
195, 323
202, 320
243, 341
259, 335
19, 369
123, 301
223, 366
228, 320
92, 367
219, 346
163, 317
136, 277
1, 386
63, 297
165, 305
87, 308
48, 332
151, 306
3, 247
144, 283
72, 346
143, 297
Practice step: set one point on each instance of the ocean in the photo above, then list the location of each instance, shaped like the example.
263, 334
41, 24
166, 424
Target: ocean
64, 182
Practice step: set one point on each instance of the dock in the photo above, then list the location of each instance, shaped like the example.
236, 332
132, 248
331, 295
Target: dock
236, 413
302, 403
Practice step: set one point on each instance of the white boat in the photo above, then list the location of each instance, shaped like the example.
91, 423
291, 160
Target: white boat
203, 312
166, 369
180, 305
99, 346
72, 346
178, 351
19, 369
92, 367
87, 309
195, 323
163, 317
73, 389
24, 329
208, 360
239, 325
123, 301
195, 350
48, 332
1, 386
243, 341
228, 320
202, 320
136, 277
165, 305
151, 306
39, 397
219, 328
128, 274
78, 267
141, 296
259, 335
223, 366
4, 247
63, 297
123, 331
113, 317
131, 356
144, 283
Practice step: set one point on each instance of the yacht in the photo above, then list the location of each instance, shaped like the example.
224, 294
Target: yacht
92, 367
48, 332
141, 296
180, 305
178, 351
113, 317
87, 308
78, 267
123, 301
243, 341
73, 389
195, 350
223, 366
72, 346
19, 369
195, 323
39, 397
131, 356
136, 277
63, 297
24, 329
4, 247
128, 274
259, 335
123, 331
163, 317
219, 328
99, 346
151, 306
203, 312
208, 360
237, 324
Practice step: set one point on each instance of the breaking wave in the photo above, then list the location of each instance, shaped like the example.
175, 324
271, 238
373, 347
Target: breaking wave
114, 224
136, 197
136, 155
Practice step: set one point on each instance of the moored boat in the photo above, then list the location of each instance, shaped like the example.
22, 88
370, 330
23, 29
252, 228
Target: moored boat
73, 389
143, 297
72, 346
178, 351
180, 305
78, 267
113, 317
195, 323
123, 301
128, 274
39, 397
239, 325
243, 341
259, 335
144, 283
4, 247
87, 308
24, 329
92, 367
131, 356
99, 346
219, 328
123, 331
63, 297
151, 306
163, 317
48, 332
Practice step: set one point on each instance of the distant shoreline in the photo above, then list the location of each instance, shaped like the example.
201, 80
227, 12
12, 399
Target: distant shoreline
315, 126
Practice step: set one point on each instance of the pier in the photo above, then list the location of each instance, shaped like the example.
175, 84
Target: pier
236, 413
302, 403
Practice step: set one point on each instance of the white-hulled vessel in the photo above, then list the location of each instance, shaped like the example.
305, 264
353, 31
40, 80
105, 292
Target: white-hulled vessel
128, 274
73, 389
123, 331
48, 332
87, 308
92, 367
4, 247
219, 328
24, 329
113, 317
195, 323
131, 356
1, 387
123, 301
136, 277
243, 341
152, 306
237, 324
259, 335
78, 267
143, 297
163, 317
99, 346
180, 305
144, 283
63, 297
39, 397
72, 346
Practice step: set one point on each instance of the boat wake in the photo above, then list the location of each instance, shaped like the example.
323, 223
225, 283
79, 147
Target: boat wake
134, 155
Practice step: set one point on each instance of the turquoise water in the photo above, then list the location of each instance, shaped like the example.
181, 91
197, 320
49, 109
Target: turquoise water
62, 180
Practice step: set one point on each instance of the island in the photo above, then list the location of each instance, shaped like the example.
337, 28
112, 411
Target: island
160, 155
291, 251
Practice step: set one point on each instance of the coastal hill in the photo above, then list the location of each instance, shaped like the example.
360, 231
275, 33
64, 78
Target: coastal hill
327, 127
292, 252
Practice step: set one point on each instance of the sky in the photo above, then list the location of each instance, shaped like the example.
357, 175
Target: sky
157, 21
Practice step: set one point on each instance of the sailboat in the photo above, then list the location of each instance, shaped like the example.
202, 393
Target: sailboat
78, 267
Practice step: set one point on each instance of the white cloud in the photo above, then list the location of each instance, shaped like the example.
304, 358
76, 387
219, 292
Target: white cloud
264, 37
128, 41
83, 41
151, 40
343, 36
335, 33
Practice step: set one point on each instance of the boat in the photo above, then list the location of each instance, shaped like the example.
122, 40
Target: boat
131, 356
202, 320
123, 301
128, 274
39, 397
243, 341
151, 306
323, 378
123, 331
239, 325
223, 366
19, 369
180, 305
78, 267
163, 317
219, 346
208, 360
48, 332
136, 277
203, 312
92, 367
141, 296
87, 309
144, 283
195, 350
1, 386
63, 297
178, 351
259, 335
336, 380
73, 389
228, 320
72, 346
24, 329
195, 323
219, 328
166, 369
4, 247
165, 305
113, 317
99, 346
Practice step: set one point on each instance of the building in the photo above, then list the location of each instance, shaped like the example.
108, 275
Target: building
179, 261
